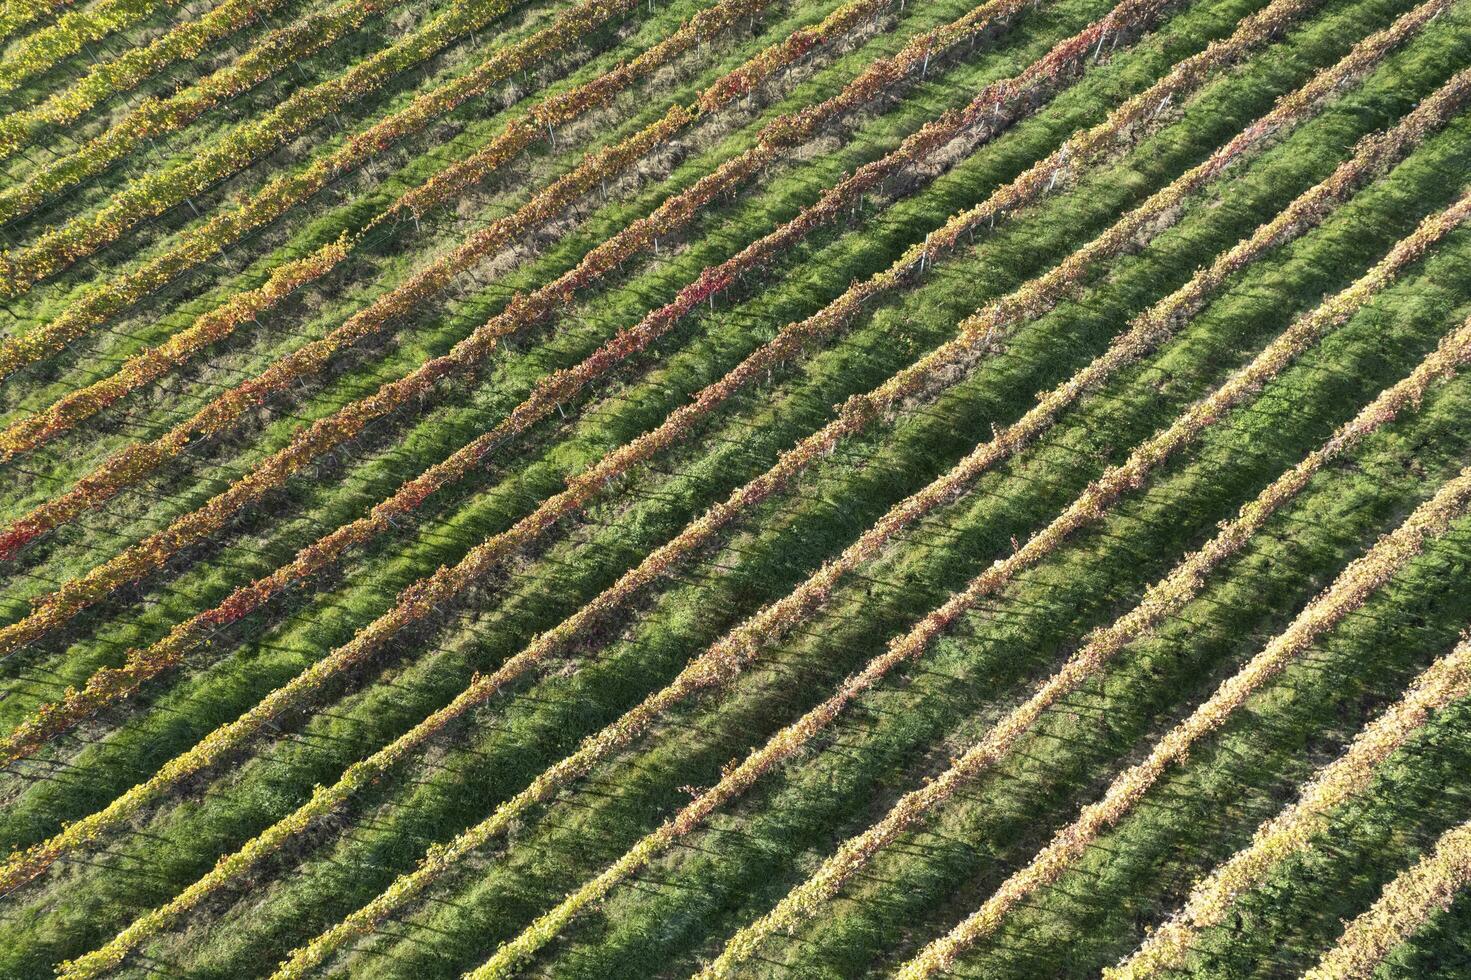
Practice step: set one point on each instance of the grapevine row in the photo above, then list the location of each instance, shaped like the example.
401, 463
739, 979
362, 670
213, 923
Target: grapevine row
711, 668
1292, 831
16, 14
1162, 599
124, 73
415, 603
554, 390
155, 920
779, 618
47, 47
285, 192
156, 117
776, 138
208, 328
1407, 904
81, 592
156, 191
936, 135
1348, 592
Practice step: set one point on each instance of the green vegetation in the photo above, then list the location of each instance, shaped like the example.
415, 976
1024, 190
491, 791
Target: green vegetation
678, 911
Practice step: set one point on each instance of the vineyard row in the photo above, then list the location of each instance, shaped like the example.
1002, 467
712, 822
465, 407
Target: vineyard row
286, 192
548, 394
1407, 903
704, 671
122, 74
1292, 831
1348, 592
